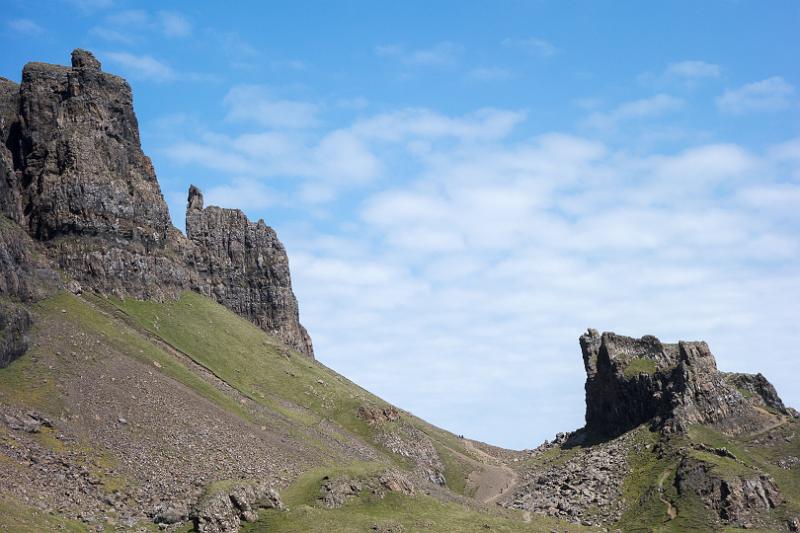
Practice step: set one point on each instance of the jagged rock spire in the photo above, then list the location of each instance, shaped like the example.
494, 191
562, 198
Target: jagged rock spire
84, 59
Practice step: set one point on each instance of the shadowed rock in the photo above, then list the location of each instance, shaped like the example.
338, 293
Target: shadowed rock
672, 386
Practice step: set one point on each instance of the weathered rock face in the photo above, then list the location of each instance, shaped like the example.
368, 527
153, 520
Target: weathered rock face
10, 190
224, 510
24, 277
587, 486
83, 170
244, 266
14, 324
336, 492
85, 187
737, 499
757, 389
73, 174
672, 386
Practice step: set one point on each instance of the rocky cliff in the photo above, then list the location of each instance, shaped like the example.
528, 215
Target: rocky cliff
672, 386
74, 177
244, 266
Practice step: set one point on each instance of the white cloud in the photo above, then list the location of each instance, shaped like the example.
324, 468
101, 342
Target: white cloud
242, 193
423, 124
472, 257
131, 26
440, 54
111, 35
174, 24
344, 157
25, 27
693, 70
771, 94
254, 103
532, 45
654, 106
142, 66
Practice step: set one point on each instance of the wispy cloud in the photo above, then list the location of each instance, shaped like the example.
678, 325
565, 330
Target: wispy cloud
142, 66
25, 27
532, 45
693, 70
134, 25
440, 54
256, 104
637, 109
112, 35
173, 24
771, 94
688, 74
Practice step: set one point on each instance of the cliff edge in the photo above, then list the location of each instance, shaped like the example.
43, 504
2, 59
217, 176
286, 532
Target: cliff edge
74, 177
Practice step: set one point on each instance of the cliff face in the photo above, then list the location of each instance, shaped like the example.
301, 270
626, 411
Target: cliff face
673, 386
73, 175
244, 266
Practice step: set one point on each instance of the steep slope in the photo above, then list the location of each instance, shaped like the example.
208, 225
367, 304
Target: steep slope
125, 413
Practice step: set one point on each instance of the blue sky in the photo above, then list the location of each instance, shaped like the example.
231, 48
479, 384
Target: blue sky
464, 187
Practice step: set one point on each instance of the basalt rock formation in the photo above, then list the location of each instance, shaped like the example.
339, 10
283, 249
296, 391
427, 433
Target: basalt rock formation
74, 177
244, 267
666, 433
672, 386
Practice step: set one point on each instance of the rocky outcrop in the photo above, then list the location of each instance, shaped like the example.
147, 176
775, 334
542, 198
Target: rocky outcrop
83, 169
85, 187
224, 508
25, 277
337, 491
672, 386
244, 266
737, 499
25, 274
409, 442
73, 175
10, 200
587, 487
14, 324
758, 390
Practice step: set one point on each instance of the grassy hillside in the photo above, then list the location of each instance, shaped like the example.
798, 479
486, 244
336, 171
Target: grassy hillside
267, 372
391, 513
204, 394
93, 362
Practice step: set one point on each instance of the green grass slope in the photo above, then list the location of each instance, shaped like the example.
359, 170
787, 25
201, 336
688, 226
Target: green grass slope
392, 513
179, 338
266, 371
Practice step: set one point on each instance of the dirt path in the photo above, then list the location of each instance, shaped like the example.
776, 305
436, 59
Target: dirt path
780, 420
671, 511
493, 480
